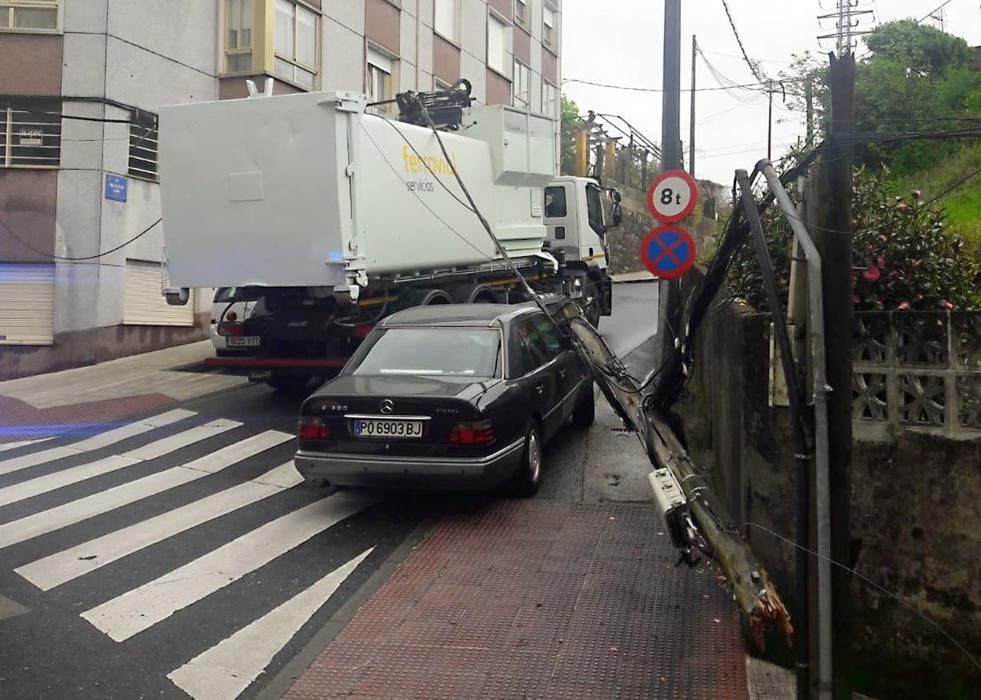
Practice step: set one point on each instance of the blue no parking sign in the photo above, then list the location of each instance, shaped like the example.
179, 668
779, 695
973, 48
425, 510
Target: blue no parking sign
667, 251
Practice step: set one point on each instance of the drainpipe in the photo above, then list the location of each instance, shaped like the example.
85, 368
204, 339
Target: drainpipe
821, 391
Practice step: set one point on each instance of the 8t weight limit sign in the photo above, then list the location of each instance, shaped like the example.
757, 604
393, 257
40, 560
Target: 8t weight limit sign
672, 196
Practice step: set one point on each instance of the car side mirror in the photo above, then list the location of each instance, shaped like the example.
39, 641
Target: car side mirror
617, 213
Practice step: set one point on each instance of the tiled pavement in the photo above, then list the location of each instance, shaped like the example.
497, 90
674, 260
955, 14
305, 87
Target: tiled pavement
100, 395
538, 599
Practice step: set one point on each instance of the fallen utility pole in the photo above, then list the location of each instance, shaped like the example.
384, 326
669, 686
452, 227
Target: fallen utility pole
689, 500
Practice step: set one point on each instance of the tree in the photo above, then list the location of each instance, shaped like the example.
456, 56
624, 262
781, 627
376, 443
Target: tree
916, 78
922, 50
570, 123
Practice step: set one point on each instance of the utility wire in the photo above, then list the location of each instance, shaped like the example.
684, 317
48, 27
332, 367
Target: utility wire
866, 579
951, 188
391, 123
752, 66
422, 201
87, 257
483, 221
101, 120
930, 13
632, 88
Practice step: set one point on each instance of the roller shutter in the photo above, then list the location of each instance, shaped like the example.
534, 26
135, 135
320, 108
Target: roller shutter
26, 304
145, 305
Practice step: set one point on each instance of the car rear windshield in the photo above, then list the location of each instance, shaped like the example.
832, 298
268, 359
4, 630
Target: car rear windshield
453, 352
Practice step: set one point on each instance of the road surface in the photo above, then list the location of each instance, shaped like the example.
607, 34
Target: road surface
179, 555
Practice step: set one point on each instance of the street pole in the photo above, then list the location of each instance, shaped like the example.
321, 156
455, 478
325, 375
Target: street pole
691, 135
671, 100
669, 316
833, 238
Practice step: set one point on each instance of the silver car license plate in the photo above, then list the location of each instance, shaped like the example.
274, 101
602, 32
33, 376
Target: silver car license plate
244, 341
382, 428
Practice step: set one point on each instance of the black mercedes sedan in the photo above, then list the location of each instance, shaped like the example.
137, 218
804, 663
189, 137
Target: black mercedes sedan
450, 396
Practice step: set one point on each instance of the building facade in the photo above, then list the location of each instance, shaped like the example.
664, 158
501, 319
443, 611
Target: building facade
81, 82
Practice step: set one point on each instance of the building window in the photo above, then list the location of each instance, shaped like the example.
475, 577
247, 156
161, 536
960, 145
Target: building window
29, 15
496, 44
143, 147
238, 39
549, 35
380, 84
30, 135
444, 18
296, 44
521, 12
550, 100
522, 85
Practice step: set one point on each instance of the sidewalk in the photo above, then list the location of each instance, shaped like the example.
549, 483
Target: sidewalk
628, 277
76, 399
538, 599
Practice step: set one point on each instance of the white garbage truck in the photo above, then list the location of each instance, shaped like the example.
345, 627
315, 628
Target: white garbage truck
328, 217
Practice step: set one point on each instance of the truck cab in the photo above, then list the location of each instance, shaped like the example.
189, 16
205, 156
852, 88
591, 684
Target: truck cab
577, 223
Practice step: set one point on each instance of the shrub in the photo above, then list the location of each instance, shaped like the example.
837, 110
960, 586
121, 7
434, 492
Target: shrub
902, 255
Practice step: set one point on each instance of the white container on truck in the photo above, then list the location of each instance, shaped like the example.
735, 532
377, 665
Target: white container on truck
328, 218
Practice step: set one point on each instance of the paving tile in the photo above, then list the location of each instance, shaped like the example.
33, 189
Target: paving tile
532, 599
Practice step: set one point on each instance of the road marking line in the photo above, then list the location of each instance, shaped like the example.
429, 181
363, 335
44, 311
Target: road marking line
76, 511
4, 447
228, 668
143, 607
96, 442
174, 442
73, 475
69, 564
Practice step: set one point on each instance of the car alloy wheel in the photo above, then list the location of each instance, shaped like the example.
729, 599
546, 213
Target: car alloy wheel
534, 464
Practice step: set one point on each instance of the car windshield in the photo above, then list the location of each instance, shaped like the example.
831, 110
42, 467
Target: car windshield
454, 352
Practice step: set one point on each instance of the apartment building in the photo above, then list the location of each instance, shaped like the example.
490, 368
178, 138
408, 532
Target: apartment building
81, 82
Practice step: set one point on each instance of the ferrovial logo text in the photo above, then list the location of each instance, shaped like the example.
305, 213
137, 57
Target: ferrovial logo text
415, 164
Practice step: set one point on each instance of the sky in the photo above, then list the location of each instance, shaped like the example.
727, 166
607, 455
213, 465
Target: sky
619, 42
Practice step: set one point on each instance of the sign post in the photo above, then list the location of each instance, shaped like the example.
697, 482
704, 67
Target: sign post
668, 251
672, 196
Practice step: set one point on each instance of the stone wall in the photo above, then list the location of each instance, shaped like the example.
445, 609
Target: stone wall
916, 505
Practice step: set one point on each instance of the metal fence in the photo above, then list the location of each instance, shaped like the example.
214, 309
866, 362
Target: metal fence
917, 371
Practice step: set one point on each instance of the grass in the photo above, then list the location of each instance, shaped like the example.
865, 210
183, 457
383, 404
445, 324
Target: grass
963, 204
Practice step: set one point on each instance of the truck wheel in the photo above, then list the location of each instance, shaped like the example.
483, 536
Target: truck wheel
585, 411
591, 304
526, 480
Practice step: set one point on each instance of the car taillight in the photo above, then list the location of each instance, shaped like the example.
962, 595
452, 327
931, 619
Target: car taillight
231, 316
473, 433
231, 329
313, 429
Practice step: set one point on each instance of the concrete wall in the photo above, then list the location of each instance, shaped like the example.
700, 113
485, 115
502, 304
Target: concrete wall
916, 504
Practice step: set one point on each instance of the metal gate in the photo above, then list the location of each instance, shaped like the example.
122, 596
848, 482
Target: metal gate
27, 303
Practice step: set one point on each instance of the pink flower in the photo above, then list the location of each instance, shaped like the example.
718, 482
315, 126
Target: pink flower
871, 274
902, 206
903, 306
946, 305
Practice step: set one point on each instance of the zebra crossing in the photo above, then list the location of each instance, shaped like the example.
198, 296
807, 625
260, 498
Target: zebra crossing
231, 475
